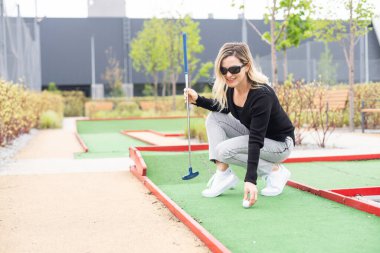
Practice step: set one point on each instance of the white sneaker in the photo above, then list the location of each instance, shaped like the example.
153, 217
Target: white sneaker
276, 181
219, 184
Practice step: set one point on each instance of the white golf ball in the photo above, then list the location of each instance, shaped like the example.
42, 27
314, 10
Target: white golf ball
246, 203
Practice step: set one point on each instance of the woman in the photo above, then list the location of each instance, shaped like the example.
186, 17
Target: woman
247, 126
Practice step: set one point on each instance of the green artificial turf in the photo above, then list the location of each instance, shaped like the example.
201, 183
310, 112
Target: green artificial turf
104, 139
293, 222
335, 175
111, 126
107, 145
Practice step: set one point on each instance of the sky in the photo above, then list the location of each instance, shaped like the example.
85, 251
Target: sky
220, 9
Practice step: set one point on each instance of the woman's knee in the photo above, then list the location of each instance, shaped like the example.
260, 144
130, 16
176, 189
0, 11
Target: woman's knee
223, 152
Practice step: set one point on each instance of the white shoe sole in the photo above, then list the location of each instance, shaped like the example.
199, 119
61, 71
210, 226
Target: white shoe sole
270, 194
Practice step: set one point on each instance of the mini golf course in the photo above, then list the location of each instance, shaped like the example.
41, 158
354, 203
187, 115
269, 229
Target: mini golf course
295, 221
104, 138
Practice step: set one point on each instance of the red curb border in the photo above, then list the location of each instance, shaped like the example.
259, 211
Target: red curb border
139, 170
77, 136
334, 195
127, 133
199, 147
178, 148
140, 118
81, 142
140, 167
166, 134
338, 158
364, 191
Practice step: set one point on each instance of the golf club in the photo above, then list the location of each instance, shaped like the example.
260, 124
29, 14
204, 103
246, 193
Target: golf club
190, 174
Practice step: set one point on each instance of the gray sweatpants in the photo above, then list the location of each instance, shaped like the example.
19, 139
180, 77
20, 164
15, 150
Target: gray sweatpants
228, 143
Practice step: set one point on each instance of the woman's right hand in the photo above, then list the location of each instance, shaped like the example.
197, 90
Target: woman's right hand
250, 193
191, 94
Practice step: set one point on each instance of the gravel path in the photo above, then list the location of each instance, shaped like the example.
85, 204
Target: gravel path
7, 153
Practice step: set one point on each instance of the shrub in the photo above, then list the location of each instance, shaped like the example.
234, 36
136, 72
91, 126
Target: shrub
50, 119
52, 87
21, 109
46, 101
201, 133
115, 114
125, 106
148, 90
197, 131
74, 103
367, 92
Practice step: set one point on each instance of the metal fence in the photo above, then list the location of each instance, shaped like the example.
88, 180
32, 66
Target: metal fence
20, 57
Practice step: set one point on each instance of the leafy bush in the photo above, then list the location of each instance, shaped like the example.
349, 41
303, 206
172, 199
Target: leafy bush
368, 93
148, 90
74, 103
50, 119
21, 109
52, 87
50, 101
299, 101
197, 131
201, 133
126, 106
115, 114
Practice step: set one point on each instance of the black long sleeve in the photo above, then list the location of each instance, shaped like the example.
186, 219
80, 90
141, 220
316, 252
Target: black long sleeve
210, 104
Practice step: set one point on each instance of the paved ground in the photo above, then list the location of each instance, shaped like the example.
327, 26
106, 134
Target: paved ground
339, 142
50, 202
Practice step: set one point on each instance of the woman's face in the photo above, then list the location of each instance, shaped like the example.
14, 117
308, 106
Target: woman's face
234, 79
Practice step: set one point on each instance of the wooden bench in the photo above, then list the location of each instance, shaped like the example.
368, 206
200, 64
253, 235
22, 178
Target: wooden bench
159, 105
335, 100
364, 110
330, 101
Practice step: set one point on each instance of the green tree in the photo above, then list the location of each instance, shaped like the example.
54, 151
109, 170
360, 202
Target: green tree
294, 27
148, 90
174, 54
149, 49
326, 67
173, 31
195, 47
204, 71
158, 49
113, 74
298, 28
347, 32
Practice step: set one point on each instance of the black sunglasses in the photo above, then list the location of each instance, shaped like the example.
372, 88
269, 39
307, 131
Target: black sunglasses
233, 69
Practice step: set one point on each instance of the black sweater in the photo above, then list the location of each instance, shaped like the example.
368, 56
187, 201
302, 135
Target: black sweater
263, 115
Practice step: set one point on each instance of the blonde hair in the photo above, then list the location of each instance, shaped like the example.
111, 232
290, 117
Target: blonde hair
241, 51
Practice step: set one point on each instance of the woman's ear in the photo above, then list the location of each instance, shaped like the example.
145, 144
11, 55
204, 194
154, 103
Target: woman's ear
248, 67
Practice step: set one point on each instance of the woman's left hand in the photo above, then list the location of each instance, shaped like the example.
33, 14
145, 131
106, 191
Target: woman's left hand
250, 193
